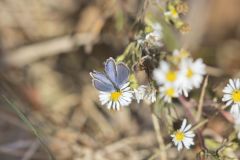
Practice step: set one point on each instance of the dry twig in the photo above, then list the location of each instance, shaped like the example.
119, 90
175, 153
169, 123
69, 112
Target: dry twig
200, 103
30, 53
162, 147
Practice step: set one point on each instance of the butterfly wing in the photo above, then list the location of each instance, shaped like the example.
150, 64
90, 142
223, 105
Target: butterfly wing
115, 77
101, 82
111, 69
122, 74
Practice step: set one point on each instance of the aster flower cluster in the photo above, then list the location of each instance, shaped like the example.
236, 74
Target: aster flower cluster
175, 77
179, 75
169, 73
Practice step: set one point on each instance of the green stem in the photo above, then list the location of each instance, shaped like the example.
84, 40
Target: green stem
30, 126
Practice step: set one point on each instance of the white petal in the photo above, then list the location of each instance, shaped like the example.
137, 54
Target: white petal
109, 105
237, 83
118, 106
235, 110
227, 89
187, 127
231, 82
180, 146
183, 125
125, 85
226, 97
229, 103
190, 134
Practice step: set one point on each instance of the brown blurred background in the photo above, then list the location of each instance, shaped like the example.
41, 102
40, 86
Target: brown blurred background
48, 48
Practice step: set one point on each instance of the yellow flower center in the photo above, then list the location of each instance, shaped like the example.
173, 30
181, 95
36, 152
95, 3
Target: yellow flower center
174, 12
115, 96
170, 92
190, 73
236, 95
171, 76
179, 136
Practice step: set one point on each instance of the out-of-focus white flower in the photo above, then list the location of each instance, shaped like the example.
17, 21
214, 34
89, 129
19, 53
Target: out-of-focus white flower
141, 41
155, 37
232, 96
167, 92
146, 93
184, 136
140, 93
190, 75
164, 74
192, 71
151, 96
180, 54
117, 99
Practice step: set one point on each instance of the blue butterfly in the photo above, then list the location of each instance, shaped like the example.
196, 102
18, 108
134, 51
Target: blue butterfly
113, 77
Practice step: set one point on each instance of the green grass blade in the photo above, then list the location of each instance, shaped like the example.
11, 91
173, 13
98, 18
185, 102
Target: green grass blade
30, 126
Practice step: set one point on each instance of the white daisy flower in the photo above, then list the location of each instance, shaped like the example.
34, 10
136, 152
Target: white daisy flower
157, 28
167, 92
155, 37
184, 136
180, 54
164, 74
232, 96
117, 99
151, 96
190, 74
140, 93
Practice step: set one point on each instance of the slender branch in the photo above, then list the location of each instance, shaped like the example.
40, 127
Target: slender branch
30, 126
200, 103
200, 124
186, 106
33, 52
162, 147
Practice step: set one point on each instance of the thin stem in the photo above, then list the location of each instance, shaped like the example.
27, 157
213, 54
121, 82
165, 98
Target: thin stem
162, 148
200, 124
200, 104
30, 126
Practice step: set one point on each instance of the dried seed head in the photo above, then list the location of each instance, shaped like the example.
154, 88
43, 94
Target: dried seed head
185, 28
182, 7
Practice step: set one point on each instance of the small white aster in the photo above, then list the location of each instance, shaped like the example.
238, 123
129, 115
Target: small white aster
180, 54
164, 74
232, 96
190, 75
184, 136
167, 92
151, 95
140, 93
155, 37
193, 71
117, 99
